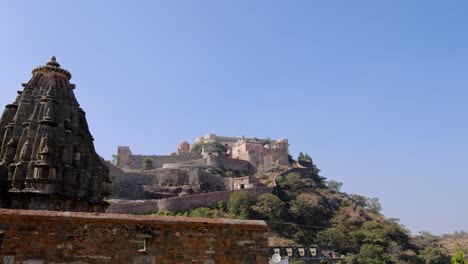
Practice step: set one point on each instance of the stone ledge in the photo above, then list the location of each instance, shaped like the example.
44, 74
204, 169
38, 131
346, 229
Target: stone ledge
93, 217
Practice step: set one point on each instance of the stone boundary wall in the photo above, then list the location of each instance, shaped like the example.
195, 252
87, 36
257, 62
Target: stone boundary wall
200, 163
158, 161
291, 170
42, 237
226, 163
175, 204
286, 172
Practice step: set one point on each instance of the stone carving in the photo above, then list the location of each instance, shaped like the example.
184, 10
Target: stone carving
47, 155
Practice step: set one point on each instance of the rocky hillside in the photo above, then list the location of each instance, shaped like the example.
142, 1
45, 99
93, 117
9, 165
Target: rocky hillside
449, 243
307, 209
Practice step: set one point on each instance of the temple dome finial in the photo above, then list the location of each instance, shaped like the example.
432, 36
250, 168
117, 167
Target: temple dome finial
53, 62
54, 66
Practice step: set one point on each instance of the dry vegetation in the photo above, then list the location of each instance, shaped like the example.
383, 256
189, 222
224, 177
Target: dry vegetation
449, 243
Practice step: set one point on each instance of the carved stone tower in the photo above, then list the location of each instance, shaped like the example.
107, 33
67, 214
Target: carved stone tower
47, 155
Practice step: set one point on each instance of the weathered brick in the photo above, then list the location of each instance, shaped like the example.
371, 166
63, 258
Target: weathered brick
66, 237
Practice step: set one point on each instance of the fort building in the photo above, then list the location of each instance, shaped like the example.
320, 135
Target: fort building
261, 153
47, 155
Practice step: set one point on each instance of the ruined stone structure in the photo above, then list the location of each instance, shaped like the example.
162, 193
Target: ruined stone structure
247, 182
42, 237
262, 155
47, 155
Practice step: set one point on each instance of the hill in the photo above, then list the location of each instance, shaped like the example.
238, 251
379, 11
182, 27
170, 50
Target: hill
307, 209
449, 243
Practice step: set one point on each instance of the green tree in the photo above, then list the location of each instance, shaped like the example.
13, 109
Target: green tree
220, 205
291, 160
301, 157
294, 182
304, 157
373, 254
373, 205
240, 203
308, 209
432, 255
459, 257
429, 251
270, 207
358, 200
115, 160
202, 212
334, 186
196, 149
147, 164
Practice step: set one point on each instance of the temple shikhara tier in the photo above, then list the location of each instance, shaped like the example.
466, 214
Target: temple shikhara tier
47, 155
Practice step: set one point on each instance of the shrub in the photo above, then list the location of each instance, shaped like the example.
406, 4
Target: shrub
240, 203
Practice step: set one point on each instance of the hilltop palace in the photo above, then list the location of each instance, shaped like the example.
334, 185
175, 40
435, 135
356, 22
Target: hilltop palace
260, 153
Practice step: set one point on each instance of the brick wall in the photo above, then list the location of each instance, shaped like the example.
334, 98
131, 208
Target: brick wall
63, 237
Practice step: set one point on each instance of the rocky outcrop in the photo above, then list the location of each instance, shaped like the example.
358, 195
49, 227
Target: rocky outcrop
163, 183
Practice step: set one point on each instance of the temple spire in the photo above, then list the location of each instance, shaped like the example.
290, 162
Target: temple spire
47, 150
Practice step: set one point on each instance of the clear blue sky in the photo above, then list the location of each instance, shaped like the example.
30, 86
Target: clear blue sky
375, 91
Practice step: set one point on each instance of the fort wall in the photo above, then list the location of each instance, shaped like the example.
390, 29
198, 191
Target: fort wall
161, 183
241, 166
136, 161
177, 204
41, 237
266, 159
231, 164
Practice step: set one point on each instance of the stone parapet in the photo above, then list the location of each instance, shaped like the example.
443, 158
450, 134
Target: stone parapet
28, 236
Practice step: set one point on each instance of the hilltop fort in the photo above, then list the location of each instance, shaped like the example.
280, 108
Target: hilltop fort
260, 153
211, 163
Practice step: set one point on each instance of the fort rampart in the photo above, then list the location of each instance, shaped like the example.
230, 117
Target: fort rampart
157, 161
177, 204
